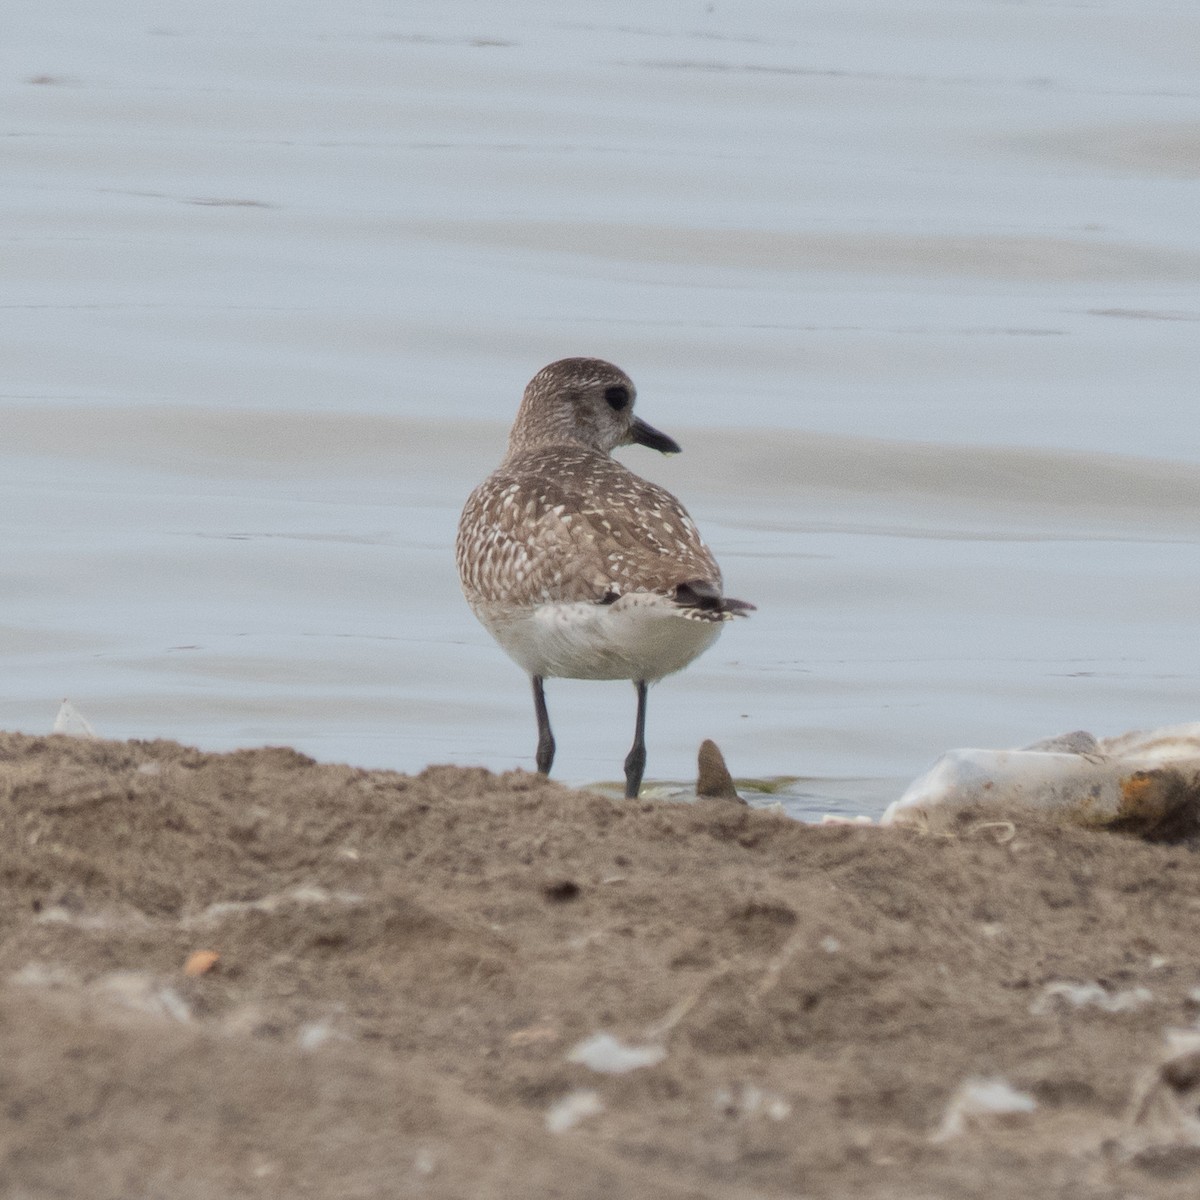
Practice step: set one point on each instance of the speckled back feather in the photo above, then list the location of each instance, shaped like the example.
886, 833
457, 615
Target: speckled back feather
569, 524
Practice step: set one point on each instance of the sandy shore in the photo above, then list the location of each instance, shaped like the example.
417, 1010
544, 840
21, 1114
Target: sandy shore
409, 966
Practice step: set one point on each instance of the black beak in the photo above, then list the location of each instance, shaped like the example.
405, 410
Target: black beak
646, 435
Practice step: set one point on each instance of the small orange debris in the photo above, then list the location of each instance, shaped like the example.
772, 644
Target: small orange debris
200, 962
1137, 789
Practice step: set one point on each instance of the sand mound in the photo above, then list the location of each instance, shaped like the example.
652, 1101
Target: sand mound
410, 970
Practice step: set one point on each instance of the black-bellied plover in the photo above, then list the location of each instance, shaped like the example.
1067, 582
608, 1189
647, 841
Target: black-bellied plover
578, 567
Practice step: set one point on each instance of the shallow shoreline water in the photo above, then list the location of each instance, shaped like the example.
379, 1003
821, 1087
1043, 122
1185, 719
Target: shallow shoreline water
914, 287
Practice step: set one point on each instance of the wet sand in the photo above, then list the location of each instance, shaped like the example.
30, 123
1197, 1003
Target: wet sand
408, 966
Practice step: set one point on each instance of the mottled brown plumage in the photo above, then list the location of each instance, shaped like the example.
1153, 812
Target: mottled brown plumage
569, 523
577, 566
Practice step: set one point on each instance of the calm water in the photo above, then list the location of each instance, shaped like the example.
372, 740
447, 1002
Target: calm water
914, 284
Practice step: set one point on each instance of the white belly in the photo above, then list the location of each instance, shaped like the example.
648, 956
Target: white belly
641, 636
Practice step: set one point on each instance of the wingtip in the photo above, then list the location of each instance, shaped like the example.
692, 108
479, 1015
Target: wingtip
739, 608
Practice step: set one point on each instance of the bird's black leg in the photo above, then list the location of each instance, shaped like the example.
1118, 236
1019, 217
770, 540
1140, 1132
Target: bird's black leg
635, 760
545, 750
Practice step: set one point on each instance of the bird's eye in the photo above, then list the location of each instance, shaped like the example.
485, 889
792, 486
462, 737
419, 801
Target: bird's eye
617, 396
